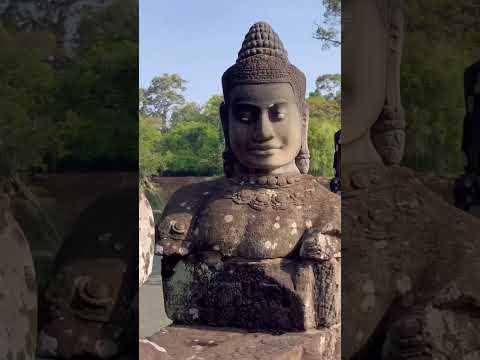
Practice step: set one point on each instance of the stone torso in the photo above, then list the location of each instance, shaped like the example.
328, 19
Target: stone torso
410, 250
253, 219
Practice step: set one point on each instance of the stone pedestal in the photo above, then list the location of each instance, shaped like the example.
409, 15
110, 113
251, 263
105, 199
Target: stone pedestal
281, 294
178, 342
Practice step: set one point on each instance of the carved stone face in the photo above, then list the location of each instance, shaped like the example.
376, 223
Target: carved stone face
264, 125
390, 145
363, 67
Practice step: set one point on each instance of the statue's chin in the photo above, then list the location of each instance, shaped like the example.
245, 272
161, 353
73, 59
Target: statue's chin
267, 164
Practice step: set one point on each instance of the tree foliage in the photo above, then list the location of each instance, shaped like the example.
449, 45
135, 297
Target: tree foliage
322, 147
441, 39
328, 86
150, 159
28, 83
328, 32
193, 147
192, 143
162, 97
72, 114
212, 110
323, 109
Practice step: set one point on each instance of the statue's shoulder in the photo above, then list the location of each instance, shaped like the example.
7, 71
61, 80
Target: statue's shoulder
321, 189
182, 209
325, 204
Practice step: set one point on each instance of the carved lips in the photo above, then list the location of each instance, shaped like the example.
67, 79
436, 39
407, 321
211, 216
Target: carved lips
264, 149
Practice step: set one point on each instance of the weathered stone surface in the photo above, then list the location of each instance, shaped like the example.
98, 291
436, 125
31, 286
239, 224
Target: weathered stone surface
233, 344
18, 291
286, 294
321, 245
87, 307
148, 350
146, 239
416, 257
253, 221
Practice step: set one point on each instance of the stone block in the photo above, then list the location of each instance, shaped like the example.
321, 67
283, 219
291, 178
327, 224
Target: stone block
281, 294
185, 342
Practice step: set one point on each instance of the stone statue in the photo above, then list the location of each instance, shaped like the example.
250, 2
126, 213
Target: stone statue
413, 292
467, 186
260, 248
88, 307
18, 288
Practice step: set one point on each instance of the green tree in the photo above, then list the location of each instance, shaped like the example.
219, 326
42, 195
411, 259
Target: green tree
447, 36
322, 147
193, 147
95, 100
322, 109
328, 32
27, 132
188, 112
328, 86
162, 97
150, 160
212, 109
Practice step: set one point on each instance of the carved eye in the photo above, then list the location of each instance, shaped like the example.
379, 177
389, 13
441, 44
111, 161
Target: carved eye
245, 113
278, 112
245, 116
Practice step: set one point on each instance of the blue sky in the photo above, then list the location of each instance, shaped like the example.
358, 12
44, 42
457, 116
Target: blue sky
199, 40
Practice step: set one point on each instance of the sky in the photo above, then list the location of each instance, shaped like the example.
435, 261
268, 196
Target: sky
199, 40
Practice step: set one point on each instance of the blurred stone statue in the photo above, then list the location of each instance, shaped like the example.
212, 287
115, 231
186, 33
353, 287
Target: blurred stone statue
467, 186
412, 291
18, 287
260, 248
88, 308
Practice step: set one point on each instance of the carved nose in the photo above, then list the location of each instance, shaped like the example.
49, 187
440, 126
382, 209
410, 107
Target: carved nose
264, 130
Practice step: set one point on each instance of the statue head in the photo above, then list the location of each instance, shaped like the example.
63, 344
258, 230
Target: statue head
371, 57
264, 115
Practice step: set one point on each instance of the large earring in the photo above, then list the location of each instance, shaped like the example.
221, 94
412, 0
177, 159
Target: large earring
302, 160
388, 135
228, 163
388, 132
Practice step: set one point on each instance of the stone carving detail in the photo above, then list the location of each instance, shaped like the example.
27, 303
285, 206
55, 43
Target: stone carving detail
388, 133
18, 290
146, 241
262, 198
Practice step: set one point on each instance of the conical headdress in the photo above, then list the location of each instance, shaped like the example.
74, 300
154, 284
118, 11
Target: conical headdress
263, 59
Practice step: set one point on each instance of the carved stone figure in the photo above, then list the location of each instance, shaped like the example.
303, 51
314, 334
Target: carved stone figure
18, 290
260, 248
87, 307
412, 294
467, 186
146, 239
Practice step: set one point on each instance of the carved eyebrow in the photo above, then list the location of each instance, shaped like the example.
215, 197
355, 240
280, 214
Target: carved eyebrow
278, 102
252, 103
245, 102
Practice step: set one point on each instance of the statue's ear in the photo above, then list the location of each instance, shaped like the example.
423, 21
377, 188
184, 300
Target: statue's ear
224, 119
223, 111
306, 113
